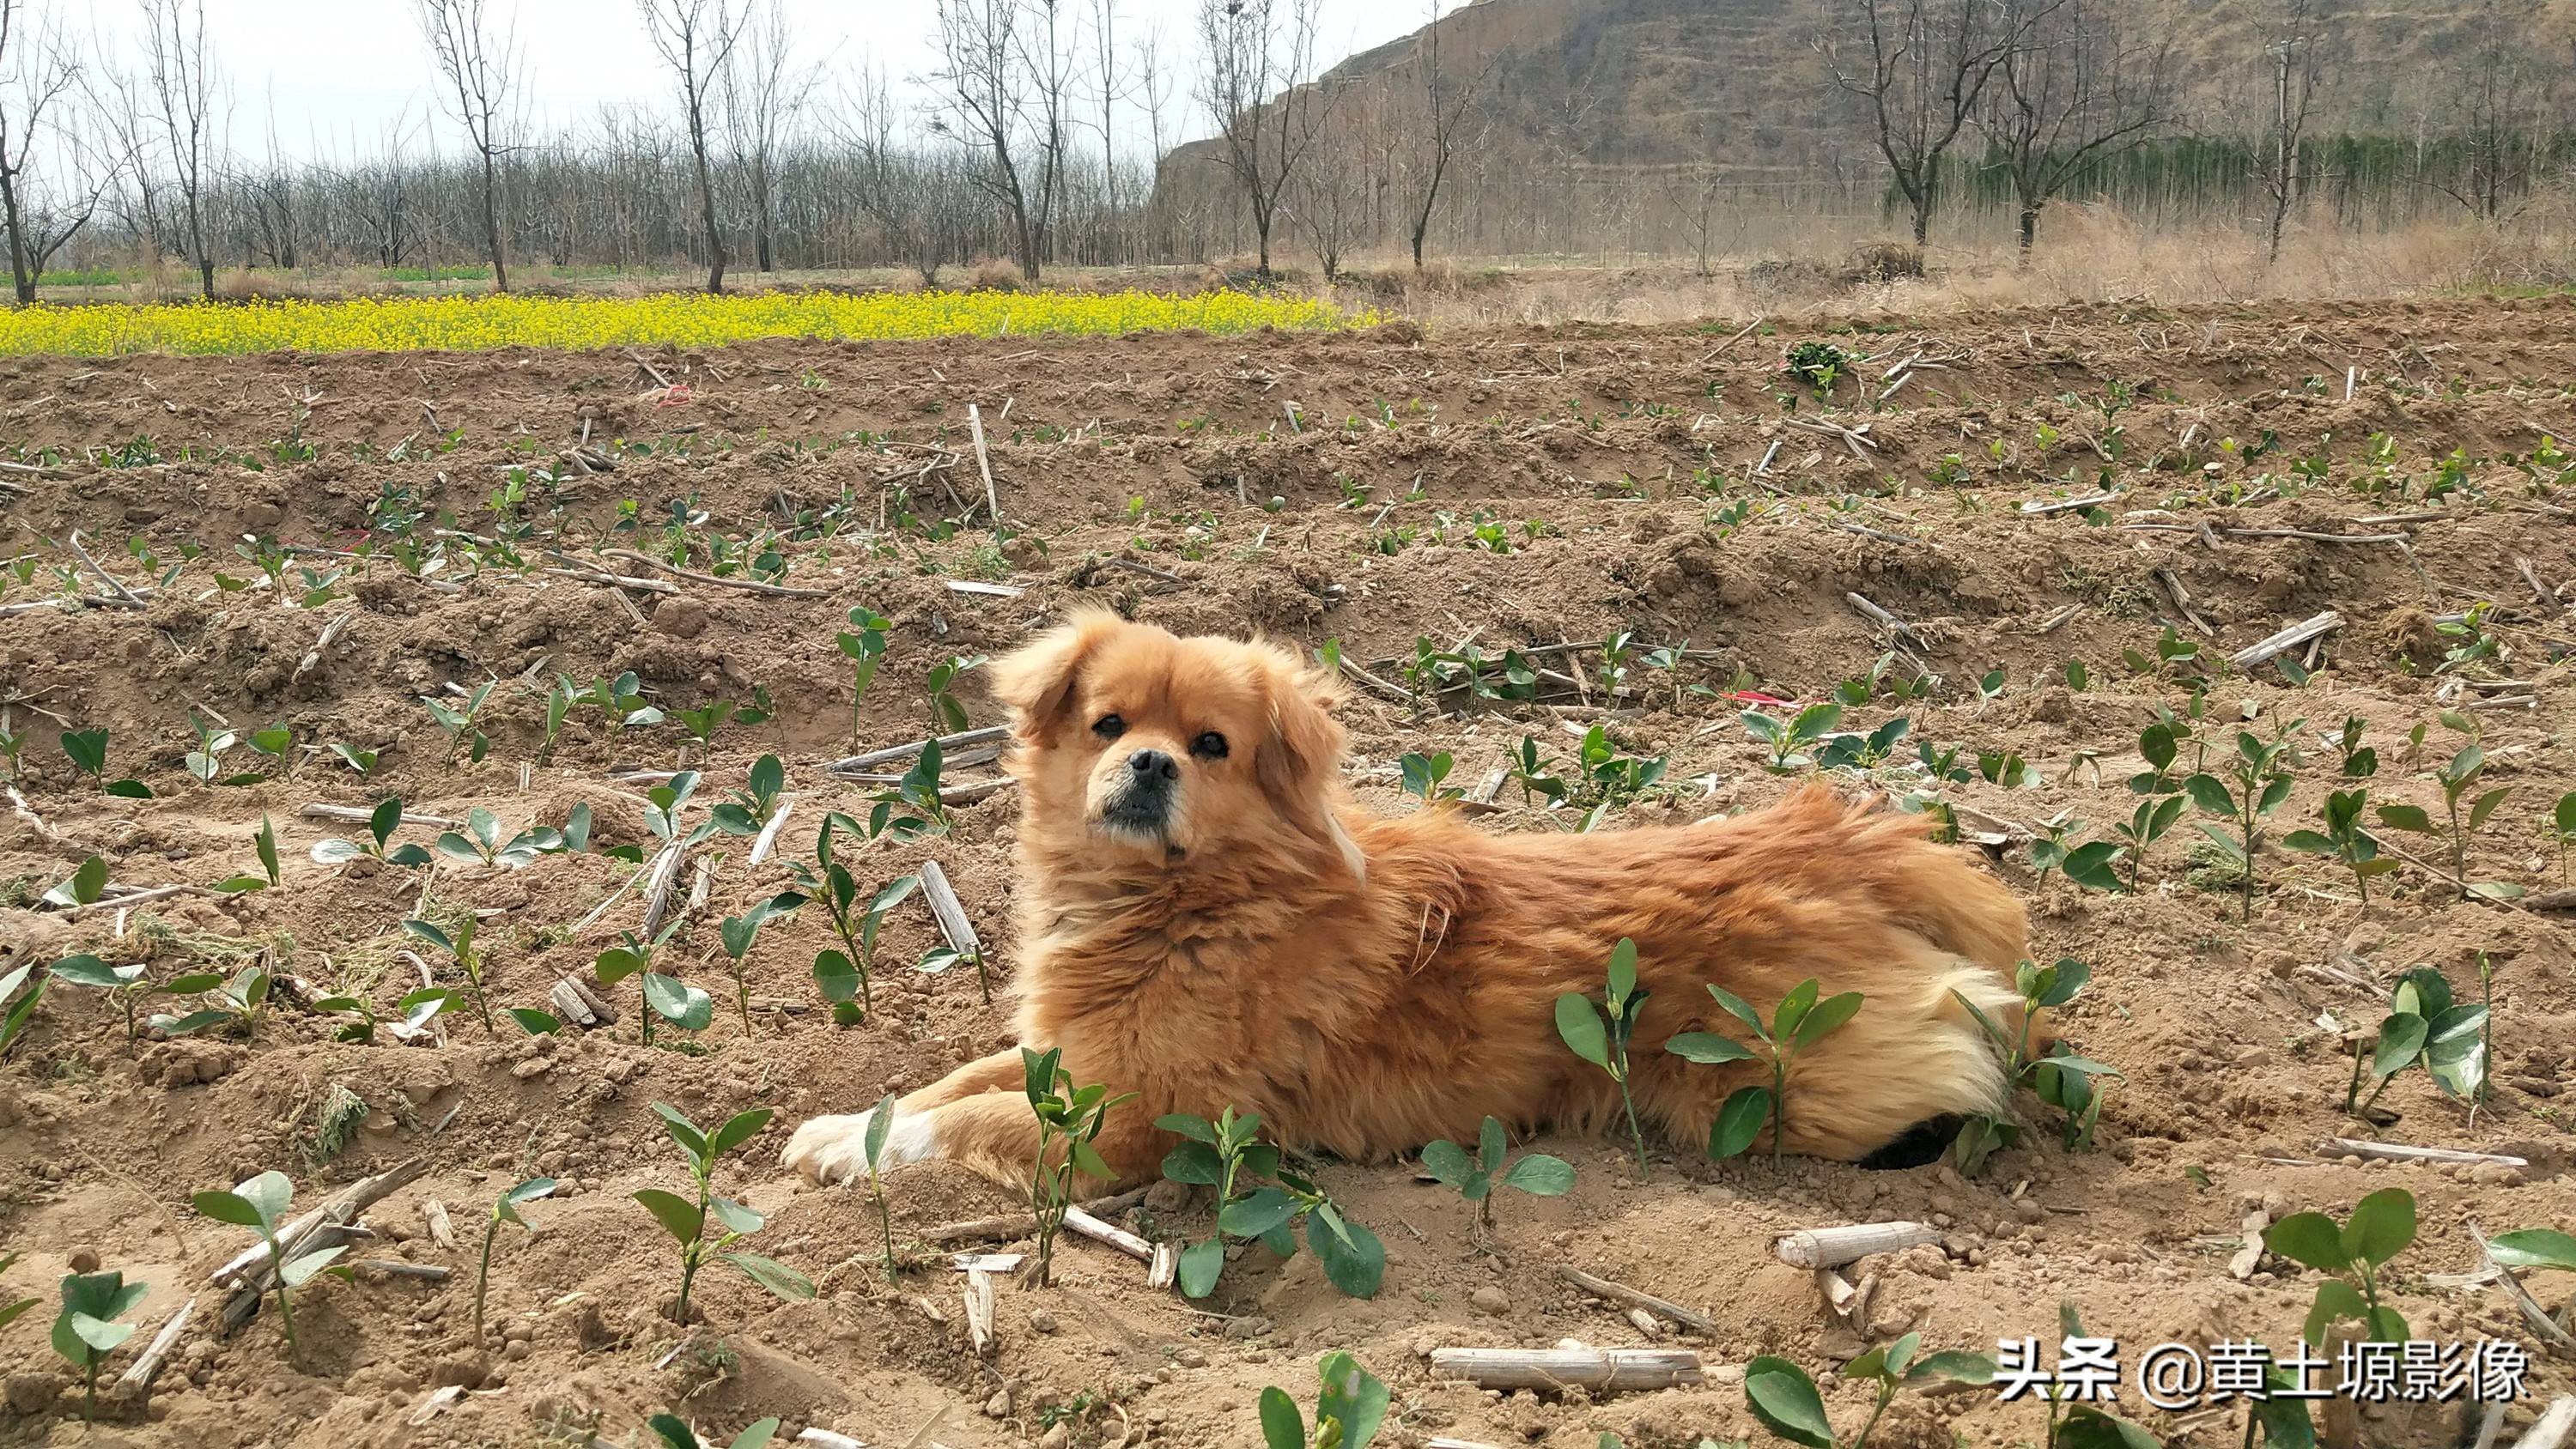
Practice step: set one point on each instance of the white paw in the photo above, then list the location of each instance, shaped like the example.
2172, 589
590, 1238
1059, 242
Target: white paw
835, 1149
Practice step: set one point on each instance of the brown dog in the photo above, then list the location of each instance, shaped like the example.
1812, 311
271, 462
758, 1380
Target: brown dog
1206, 919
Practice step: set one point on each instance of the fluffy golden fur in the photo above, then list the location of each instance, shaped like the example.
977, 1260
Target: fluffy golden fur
1209, 928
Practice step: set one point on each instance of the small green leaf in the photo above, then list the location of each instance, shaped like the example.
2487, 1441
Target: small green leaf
773, 1275
2382, 1225
1578, 1022
1785, 1400
2534, 1248
1708, 1048
2311, 1239
1746, 1113
679, 1216
1282, 1427
1540, 1175
1201, 1262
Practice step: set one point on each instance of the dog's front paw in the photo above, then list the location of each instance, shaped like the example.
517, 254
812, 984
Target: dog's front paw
835, 1149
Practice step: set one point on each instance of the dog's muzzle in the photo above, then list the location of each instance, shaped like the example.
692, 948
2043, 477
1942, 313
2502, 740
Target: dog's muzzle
1143, 801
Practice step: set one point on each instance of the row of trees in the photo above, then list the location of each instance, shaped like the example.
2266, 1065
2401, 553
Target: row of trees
1045, 132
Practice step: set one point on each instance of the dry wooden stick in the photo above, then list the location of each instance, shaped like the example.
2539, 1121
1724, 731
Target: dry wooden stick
1621, 1293
657, 892
138, 1376
1017, 1225
950, 912
768, 838
2400, 1152
979, 1311
1833, 1247
616, 581
114, 584
2182, 601
2289, 638
2554, 1426
1713, 352
749, 586
1886, 620
984, 465
352, 812
947, 743
1557, 1368
1108, 1233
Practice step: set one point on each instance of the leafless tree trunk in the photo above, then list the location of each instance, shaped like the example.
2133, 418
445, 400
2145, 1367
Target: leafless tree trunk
1922, 65
766, 92
982, 100
2294, 48
482, 72
1450, 107
696, 39
2088, 80
38, 76
1256, 57
2501, 86
183, 95
895, 188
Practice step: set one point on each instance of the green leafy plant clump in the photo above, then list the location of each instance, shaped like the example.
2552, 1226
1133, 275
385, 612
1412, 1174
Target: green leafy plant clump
705, 1224
1800, 1021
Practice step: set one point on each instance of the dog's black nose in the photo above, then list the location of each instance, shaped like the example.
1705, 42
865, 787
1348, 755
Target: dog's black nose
1153, 767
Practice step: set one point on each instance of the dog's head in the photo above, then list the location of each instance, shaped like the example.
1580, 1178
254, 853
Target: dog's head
1161, 749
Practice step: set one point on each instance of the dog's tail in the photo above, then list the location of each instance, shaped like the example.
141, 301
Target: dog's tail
1935, 890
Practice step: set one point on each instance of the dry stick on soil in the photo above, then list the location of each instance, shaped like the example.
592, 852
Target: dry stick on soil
313, 656
2289, 638
2554, 1427
979, 1311
1107, 1233
396, 1268
2317, 537
574, 1003
768, 838
1148, 570
650, 371
1622, 1293
1886, 620
2532, 1313
441, 1231
2059, 620
1556, 1368
1007, 1226
951, 914
614, 581
1833, 1247
249, 1270
2182, 601
657, 892
949, 745
2037, 506
139, 1375
2539, 590
1714, 352
114, 584
749, 586
984, 465
2398, 1152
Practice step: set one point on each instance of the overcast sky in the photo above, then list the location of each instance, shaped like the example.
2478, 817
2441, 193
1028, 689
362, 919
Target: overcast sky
338, 73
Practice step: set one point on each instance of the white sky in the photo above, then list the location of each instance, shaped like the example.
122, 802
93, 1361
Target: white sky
339, 72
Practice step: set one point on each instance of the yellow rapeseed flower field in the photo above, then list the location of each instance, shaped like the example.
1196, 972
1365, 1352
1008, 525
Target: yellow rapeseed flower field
687, 319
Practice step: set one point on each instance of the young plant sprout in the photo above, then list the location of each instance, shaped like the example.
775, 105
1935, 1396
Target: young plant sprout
1785, 1400
1348, 1409
87, 1330
865, 644
2061, 1079
841, 974
124, 985
463, 737
1069, 1121
688, 1219
258, 1204
1599, 1033
238, 1002
381, 824
751, 808
481, 842
635, 958
1423, 775
2345, 840
460, 946
873, 1146
2424, 1025
87, 885
1799, 1022
2380, 1227
2250, 788
2456, 778
738, 932
505, 1209
1477, 1177
947, 715
675, 1433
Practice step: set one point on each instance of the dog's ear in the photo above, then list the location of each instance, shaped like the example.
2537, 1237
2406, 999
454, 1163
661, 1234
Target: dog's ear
1037, 680
1305, 742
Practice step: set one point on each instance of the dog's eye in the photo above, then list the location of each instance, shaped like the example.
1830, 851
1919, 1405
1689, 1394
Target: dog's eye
1109, 727
1209, 746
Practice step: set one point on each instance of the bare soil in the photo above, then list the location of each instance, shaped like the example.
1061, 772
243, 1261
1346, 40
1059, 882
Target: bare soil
1632, 451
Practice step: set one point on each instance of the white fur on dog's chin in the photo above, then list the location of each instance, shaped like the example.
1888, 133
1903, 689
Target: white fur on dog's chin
835, 1149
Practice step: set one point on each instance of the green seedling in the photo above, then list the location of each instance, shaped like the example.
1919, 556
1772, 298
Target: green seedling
1788, 738
277, 743
2542, 1248
1864, 752
2424, 1025
205, 762
1610, 779
666, 803
843, 974
463, 737
417, 1010
13, 1309
480, 843
125, 985
1348, 1409
1216, 1154
702, 721
88, 752
237, 1003
86, 887
87, 1330
381, 824
1799, 1022
2562, 828
674, 1433
559, 706
865, 644
362, 761
2456, 779
460, 946
2089, 864
505, 1209
2346, 840
880, 1122
1423, 775
17, 1010
2062, 1079
2380, 1227
911, 807
2145, 826
2252, 786
265, 842
259, 1204
1476, 1177
1599, 1032
947, 715
1786, 1401
738, 932
1069, 1122
750, 809
1535, 773
687, 1007
688, 1219
2357, 760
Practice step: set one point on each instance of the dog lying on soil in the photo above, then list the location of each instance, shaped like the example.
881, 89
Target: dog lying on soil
1206, 919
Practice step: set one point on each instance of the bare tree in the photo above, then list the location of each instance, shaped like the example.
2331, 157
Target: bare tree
2088, 80
1923, 68
182, 93
1328, 198
696, 39
1450, 105
1255, 58
983, 102
896, 188
481, 69
38, 77
766, 93
2294, 49
1109, 82
2502, 87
